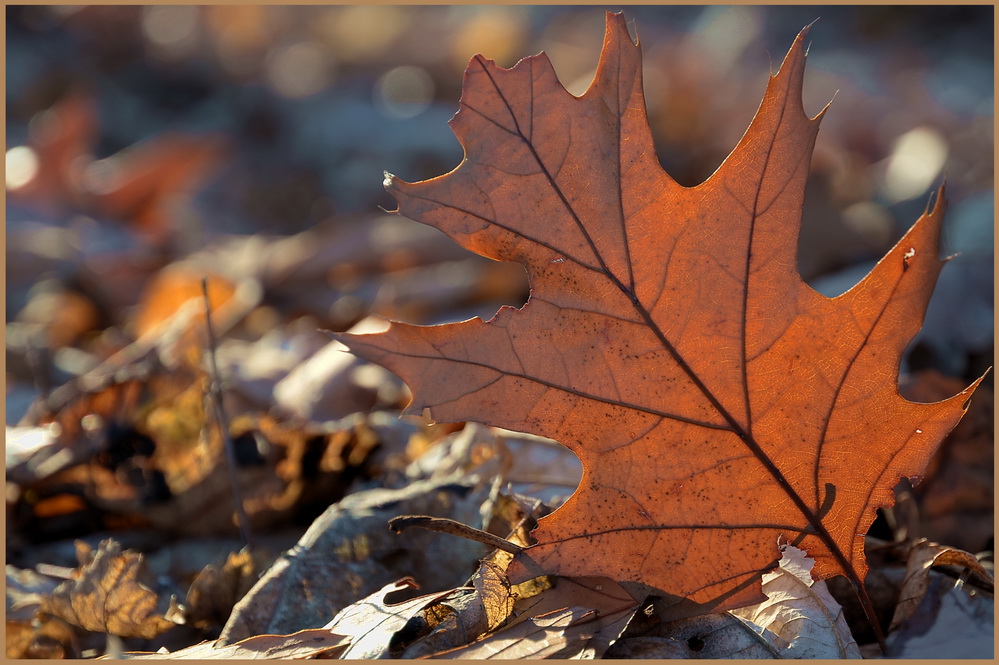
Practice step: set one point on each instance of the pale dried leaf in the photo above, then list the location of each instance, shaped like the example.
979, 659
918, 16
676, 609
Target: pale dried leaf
800, 617
494, 593
541, 636
454, 622
25, 590
578, 618
302, 645
112, 593
371, 622
462, 618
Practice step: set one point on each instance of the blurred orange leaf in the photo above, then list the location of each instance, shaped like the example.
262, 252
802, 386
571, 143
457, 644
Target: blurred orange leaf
139, 185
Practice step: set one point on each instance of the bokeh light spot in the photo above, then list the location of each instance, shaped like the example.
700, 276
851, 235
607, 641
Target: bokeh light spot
362, 32
21, 166
916, 160
299, 70
404, 92
169, 26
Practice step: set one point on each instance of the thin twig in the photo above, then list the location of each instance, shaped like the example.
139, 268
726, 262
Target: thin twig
444, 525
872, 617
215, 392
39, 363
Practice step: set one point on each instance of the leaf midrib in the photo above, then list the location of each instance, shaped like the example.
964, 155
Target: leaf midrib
744, 435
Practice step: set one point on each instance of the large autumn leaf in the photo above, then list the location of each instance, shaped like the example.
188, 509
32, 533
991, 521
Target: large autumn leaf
719, 405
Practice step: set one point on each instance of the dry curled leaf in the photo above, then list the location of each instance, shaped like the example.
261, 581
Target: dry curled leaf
578, 618
216, 589
923, 556
466, 614
717, 402
28, 634
495, 594
800, 618
305, 644
371, 622
112, 592
543, 636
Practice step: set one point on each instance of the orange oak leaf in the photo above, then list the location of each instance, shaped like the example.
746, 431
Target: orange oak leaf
718, 404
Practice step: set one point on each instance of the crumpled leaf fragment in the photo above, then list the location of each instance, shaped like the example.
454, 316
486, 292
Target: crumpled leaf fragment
800, 617
371, 622
543, 636
495, 594
489, 599
577, 618
29, 635
112, 592
216, 589
922, 557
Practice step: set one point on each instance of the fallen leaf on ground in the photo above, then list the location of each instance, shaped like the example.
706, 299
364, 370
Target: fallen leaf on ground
29, 634
494, 592
112, 592
577, 618
466, 614
531, 465
349, 552
141, 185
800, 617
712, 636
305, 644
923, 556
717, 402
62, 135
544, 636
216, 589
371, 622
326, 386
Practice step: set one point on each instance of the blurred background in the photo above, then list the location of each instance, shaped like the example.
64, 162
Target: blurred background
149, 147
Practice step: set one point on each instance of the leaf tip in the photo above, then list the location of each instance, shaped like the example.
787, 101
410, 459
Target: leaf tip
970, 390
936, 198
804, 31
616, 22
793, 63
